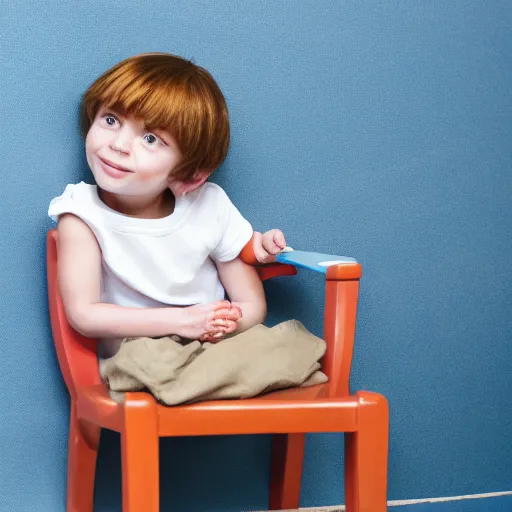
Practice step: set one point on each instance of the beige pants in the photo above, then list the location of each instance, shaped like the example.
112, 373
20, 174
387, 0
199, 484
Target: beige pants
259, 360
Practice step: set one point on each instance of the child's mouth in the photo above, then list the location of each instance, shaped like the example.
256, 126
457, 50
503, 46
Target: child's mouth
112, 169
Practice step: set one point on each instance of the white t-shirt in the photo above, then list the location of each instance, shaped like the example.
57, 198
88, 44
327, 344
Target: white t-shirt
161, 262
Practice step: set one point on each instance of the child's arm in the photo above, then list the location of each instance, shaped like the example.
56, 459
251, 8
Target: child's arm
242, 283
79, 271
245, 290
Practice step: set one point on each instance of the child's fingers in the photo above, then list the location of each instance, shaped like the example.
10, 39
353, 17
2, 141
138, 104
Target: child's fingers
279, 239
231, 327
273, 241
218, 329
220, 323
220, 309
234, 313
216, 326
212, 338
268, 241
221, 312
228, 327
258, 246
229, 314
224, 323
221, 304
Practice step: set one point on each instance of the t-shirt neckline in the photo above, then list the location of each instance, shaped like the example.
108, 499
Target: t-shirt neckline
126, 223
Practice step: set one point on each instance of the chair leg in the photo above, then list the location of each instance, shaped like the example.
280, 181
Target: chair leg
139, 454
286, 471
366, 456
82, 454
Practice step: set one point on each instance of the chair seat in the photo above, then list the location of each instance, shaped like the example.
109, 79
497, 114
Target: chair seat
294, 410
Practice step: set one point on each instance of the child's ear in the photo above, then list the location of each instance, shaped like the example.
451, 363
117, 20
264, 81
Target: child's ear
180, 188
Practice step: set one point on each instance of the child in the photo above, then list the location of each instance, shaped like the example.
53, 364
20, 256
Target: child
152, 248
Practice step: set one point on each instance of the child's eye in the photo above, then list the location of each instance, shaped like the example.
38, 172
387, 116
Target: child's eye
151, 139
110, 119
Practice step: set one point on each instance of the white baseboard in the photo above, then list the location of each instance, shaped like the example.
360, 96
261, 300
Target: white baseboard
398, 503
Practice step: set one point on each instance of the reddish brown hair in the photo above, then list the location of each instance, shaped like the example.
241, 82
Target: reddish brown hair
168, 93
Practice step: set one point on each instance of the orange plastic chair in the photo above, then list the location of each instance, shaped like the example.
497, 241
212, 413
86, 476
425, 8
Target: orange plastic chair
287, 414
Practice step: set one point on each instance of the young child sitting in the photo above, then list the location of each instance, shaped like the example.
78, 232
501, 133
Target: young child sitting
152, 249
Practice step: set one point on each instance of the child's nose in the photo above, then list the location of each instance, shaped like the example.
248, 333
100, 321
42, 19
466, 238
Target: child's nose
121, 143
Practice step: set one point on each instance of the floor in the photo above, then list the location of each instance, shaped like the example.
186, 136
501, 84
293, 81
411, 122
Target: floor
498, 504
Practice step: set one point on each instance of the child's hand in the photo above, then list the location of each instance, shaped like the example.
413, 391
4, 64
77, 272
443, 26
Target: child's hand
210, 322
266, 246
226, 322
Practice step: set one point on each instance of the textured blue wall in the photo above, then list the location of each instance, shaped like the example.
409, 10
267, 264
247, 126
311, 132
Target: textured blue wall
380, 130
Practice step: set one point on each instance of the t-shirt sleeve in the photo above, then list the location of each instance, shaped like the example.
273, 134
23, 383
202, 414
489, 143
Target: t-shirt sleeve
234, 230
65, 203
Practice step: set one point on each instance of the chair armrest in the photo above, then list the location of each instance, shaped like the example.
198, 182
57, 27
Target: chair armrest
272, 270
335, 268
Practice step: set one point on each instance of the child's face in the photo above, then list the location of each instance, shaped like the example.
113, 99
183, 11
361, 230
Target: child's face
126, 158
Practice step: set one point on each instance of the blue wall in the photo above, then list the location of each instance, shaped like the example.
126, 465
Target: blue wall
380, 130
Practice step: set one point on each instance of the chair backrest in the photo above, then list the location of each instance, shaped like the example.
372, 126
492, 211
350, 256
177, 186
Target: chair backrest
76, 353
